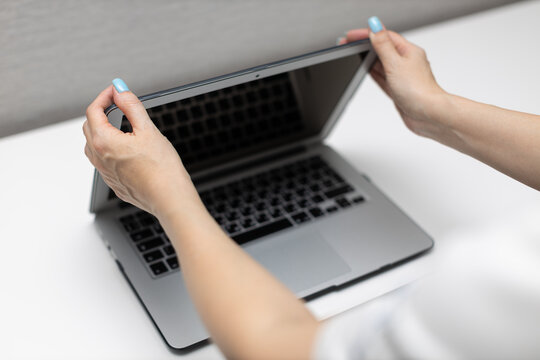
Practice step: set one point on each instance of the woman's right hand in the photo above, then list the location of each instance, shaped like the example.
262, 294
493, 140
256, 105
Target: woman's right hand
404, 74
141, 167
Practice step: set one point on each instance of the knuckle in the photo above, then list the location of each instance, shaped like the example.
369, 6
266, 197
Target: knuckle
99, 145
88, 111
421, 52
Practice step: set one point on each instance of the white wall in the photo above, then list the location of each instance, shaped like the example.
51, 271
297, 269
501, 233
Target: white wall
55, 56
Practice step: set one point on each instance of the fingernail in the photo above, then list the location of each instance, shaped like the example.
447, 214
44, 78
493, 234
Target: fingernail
120, 85
375, 24
338, 40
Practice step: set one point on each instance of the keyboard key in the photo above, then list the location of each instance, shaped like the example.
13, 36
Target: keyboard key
146, 219
343, 202
315, 187
300, 217
262, 231
234, 203
142, 214
290, 208
316, 212
126, 219
275, 213
173, 262
140, 235
131, 226
247, 222
287, 196
182, 115
232, 215
261, 217
331, 209
158, 268
317, 199
358, 199
328, 183
150, 244
153, 256
248, 210
169, 250
232, 228
302, 203
338, 191
157, 228
219, 219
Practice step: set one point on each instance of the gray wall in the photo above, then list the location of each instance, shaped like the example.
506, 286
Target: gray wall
57, 55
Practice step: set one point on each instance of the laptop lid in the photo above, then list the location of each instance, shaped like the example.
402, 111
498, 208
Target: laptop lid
239, 117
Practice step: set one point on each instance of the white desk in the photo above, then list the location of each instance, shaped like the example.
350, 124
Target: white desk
62, 295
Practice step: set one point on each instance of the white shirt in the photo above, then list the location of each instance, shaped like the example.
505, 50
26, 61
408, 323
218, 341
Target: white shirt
482, 302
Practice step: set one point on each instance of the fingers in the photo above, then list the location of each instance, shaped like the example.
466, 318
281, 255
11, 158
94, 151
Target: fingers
402, 45
381, 81
356, 34
97, 121
131, 106
382, 42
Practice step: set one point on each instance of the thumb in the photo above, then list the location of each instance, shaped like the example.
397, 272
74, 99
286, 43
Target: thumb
130, 105
381, 41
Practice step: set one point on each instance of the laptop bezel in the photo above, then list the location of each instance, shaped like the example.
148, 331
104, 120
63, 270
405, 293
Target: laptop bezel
100, 190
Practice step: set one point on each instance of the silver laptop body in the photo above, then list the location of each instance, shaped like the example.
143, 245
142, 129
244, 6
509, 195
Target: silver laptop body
253, 144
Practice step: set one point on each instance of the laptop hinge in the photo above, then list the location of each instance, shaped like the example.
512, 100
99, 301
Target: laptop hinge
257, 162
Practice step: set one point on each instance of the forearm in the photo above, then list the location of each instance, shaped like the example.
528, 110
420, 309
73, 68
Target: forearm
506, 140
248, 312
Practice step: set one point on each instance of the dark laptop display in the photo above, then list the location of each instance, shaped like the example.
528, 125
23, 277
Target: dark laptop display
227, 124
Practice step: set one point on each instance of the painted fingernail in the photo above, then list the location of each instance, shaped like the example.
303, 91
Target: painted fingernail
339, 40
375, 24
120, 85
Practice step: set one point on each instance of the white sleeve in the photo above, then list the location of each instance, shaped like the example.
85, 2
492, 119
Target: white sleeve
348, 335
483, 303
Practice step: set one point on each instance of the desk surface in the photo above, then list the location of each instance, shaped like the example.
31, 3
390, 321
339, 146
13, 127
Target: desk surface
62, 295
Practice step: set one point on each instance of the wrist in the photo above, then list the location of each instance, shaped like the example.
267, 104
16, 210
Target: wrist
447, 119
183, 204
186, 218
435, 122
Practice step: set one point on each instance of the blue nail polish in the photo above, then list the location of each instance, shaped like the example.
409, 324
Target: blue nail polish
120, 85
375, 24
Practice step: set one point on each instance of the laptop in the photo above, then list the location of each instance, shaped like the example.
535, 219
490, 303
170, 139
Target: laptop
253, 143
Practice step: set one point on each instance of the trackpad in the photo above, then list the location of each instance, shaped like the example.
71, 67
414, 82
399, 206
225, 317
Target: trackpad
300, 262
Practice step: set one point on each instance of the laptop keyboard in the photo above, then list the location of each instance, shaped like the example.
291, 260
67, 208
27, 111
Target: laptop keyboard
253, 207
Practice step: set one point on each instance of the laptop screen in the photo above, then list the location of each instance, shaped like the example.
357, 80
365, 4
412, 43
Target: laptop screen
244, 119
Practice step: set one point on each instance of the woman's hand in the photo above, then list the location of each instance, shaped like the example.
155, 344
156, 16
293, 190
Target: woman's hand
141, 167
506, 140
404, 73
